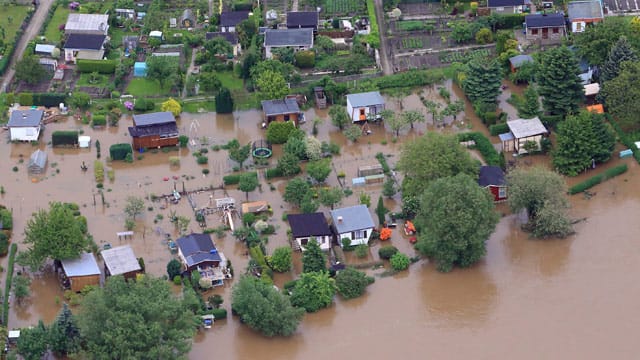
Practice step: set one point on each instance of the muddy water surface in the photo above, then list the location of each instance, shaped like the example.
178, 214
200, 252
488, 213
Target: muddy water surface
528, 299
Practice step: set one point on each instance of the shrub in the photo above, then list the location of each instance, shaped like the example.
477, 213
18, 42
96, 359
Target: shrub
399, 261
231, 179
99, 120
497, 129
183, 140
177, 280
278, 132
281, 259
362, 251
100, 66
6, 218
597, 179
25, 99
352, 283
59, 138
346, 243
174, 160
305, 59
248, 219
201, 159
219, 313
120, 151
273, 173
4, 244
144, 105
98, 171
386, 252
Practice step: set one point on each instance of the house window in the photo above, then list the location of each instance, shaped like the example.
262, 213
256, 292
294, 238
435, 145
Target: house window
30, 132
286, 117
534, 31
578, 27
361, 112
502, 192
304, 241
359, 234
500, 8
556, 30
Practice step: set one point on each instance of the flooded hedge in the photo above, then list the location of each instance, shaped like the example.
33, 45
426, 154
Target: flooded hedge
595, 180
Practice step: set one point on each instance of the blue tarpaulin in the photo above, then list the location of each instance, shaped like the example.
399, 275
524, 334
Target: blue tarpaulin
140, 69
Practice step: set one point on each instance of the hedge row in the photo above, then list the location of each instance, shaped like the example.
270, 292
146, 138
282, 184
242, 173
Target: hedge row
120, 151
233, 179
497, 129
42, 99
8, 281
61, 138
411, 78
101, 66
484, 146
597, 179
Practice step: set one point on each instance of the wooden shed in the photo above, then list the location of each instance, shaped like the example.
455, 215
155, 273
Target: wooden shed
121, 261
154, 130
81, 272
255, 207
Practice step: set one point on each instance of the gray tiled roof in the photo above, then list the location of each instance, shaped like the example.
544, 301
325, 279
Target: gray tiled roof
353, 218
25, 118
278, 107
365, 99
154, 118
584, 10
288, 37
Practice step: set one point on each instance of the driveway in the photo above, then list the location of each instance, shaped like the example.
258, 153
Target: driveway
32, 30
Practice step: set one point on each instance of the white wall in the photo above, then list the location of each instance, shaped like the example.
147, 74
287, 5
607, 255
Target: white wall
350, 110
25, 133
357, 241
578, 26
323, 241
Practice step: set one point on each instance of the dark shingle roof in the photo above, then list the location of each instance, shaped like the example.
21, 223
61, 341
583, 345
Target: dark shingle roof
153, 118
84, 42
288, 37
504, 3
491, 175
231, 37
544, 20
278, 107
25, 118
197, 248
233, 18
164, 130
585, 10
302, 19
304, 225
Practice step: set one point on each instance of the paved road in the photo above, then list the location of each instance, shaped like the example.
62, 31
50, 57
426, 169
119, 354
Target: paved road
387, 68
32, 30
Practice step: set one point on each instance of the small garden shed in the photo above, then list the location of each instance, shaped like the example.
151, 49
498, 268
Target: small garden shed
37, 162
140, 69
121, 261
188, 20
81, 272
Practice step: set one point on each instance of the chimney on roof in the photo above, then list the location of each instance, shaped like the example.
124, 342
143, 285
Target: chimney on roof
24, 114
340, 219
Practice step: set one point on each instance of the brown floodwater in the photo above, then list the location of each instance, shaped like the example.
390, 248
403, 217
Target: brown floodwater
528, 299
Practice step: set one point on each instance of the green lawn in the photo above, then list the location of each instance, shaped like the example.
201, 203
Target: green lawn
117, 34
141, 87
195, 106
17, 14
230, 80
101, 82
59, 17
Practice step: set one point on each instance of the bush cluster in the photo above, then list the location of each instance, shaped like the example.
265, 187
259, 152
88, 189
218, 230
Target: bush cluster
61, 138
484, 146
120, 151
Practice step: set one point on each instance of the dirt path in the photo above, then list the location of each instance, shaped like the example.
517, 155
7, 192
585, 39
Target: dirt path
192, 65
384, 54
294, 6
32, 30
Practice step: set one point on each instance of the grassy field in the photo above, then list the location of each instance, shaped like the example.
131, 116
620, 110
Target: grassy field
11, 18
229, 80
101, 82
117, 34
141, 87
59, 17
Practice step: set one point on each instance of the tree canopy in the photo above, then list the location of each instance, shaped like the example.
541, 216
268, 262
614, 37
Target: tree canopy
594, 44
558, 82
621, 94
164, 69
263, 308
431, 157
313, 291
483, 80
172, 106
339, 116
542, 194
620, 52
455, 220
64, 333
313, 259
296, 190
530, 107
29, 70
55, 233
139, 319
352, 283
224, 101
248, 182
271, 86
582, 139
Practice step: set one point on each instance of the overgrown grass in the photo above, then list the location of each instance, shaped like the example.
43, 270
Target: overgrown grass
17, 13
230, 80
59, 17
141, 87
195, 106
7, 286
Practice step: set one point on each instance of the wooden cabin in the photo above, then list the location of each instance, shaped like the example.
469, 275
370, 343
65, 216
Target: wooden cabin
121, 261
80, 273
154, 130
281, 110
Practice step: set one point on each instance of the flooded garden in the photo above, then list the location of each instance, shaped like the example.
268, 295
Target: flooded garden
527, 299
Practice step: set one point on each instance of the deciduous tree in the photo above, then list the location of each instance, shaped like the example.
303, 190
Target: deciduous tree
558, 82
21, 287
80, 100
264, 308
595, 43
164, 69
32, 343
394, 122
271, 86
281, 259
313, 291
296, 190
319, 170
352, 283
55, 234
431, 157
413, 116
288, 164
339, 116
29, 70
540, 191
353, 132
248, 182
456, 218
133, 206
238, 153
146, 321
330, 196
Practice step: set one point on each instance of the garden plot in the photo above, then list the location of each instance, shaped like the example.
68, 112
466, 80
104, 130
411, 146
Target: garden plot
344, 7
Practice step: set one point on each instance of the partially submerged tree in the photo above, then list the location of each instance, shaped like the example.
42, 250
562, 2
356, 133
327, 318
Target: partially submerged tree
541, 193
281, 259
133, 206
456, 219
237, 152
296, 190
263, 308
431, 157
352, 283
21, 287
313, 259
313, 291
353, 132
319, 170
330, 197
146, 321
54, 234
224, 101
413, 116
248, 182
558, 82
394, 122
